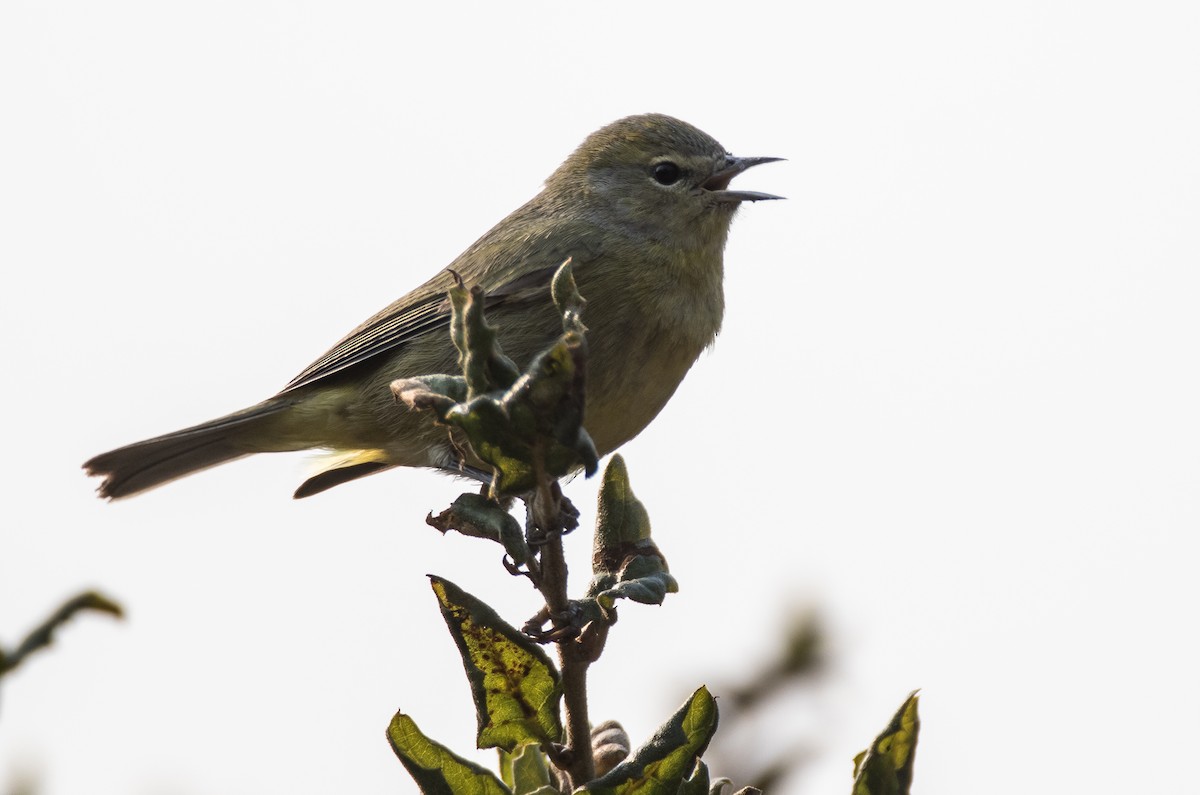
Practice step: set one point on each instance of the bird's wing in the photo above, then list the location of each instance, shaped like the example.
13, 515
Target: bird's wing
384, 332
420, 313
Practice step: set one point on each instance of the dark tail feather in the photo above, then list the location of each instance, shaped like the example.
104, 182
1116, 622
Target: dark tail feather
336, 477
367, 462
140, 466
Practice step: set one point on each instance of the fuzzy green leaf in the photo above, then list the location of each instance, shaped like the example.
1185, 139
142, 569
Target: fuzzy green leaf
536, 423
515, 687
567, 298
484, 365
626, 563
644, 579
480, 517
886, 768
621, 518
698, 783
436, 770
661, 766
436, 392
521, 424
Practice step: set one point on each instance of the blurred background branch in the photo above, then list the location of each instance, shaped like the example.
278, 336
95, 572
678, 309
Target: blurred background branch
43, 635
754, 746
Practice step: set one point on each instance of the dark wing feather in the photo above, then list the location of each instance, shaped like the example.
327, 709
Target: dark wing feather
382, 333
399, 323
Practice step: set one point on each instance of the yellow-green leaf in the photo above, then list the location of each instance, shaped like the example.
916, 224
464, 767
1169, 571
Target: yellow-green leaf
697, 784
662, 765
886, 768
526, 771
436, 770
515, 687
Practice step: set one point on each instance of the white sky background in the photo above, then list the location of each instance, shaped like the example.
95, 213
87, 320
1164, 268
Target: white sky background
954, 406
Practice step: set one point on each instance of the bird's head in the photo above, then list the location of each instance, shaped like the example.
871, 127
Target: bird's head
658, 176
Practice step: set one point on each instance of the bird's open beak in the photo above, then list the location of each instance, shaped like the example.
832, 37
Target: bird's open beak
719, 182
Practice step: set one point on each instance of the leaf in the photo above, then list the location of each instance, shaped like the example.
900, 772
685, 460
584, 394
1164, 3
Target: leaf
484, 365
436, 770
886, 768
480, 517
626, 563
436, 392
524, 425
526, 771
515, 686
610, 746
697, 784
567, 299
661, 766
537, 423
643, 580
621, 518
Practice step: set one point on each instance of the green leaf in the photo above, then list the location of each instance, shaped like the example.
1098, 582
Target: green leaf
436, 770
567, 298
526, 771
621, 518
436, 392
643, 580
515, 686
537, 423
697, 784
524, 425
626, 563
484, 365
661, 766
886, 768
481, 517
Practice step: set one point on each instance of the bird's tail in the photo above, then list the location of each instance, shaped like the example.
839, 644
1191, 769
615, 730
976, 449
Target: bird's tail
137, 467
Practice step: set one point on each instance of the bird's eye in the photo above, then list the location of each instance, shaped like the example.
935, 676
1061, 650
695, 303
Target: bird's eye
666, 173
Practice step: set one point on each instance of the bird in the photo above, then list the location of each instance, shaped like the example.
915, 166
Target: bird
642, 208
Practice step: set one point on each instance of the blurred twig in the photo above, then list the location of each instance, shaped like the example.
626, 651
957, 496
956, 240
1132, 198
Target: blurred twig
801, 659
43, 636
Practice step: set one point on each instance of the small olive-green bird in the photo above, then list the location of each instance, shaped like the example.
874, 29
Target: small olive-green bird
642, 208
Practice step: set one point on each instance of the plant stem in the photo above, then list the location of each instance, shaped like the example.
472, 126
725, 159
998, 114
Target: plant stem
573, 662
579, 729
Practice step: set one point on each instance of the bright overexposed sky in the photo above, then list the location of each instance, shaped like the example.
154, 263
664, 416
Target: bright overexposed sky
955, 407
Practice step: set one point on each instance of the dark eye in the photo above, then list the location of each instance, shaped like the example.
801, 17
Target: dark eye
666, 173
